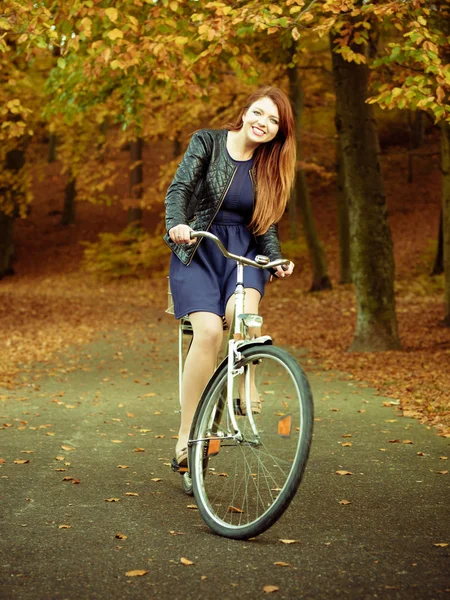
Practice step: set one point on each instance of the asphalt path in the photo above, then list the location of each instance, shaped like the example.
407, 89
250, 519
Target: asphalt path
96, 498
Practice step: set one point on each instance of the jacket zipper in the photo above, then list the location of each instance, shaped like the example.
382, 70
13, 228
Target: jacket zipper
214, 216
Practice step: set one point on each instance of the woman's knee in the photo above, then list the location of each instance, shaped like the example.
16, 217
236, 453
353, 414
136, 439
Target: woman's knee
208, 332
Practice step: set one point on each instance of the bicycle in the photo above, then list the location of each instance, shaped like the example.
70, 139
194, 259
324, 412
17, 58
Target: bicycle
245, 467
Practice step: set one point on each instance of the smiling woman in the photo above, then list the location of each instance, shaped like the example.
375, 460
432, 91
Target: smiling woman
235, 183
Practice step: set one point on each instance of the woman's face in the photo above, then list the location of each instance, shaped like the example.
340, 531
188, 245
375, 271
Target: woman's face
261, 121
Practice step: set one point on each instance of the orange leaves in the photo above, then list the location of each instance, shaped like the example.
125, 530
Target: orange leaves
268, 589
186, 562
136, 573
342, 472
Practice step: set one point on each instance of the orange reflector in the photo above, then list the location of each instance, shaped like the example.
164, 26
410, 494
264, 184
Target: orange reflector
284, 426
213, 447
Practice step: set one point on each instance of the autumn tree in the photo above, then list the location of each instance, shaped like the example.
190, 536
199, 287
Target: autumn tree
25, 31
418, 68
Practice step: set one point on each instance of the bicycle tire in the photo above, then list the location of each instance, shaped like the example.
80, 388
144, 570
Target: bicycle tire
234, 501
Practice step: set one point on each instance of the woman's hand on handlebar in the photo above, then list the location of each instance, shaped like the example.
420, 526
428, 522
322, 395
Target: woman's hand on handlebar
181, 234
284, 271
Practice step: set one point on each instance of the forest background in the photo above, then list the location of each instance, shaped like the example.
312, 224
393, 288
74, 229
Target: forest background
97, 102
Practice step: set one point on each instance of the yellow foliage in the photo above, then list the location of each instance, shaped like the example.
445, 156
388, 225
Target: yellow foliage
131, 253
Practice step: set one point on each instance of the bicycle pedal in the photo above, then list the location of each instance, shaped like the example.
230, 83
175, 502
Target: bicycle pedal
176, 467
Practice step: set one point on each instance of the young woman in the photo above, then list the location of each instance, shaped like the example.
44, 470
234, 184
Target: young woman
235, 183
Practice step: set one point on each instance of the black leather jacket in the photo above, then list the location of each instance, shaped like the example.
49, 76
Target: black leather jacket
197, 191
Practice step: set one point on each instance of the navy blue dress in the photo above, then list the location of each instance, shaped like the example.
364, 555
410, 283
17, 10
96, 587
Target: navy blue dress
208, 282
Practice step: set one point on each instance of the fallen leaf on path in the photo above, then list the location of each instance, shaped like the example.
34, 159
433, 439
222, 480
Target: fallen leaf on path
383, 449
139, 450
112, 499
2, 461
160, 436
347, 435
186, 561
131, 415
235, 509
280, 563
347, 444
440, 472
121, 536
64, 526
136, 573
27, 452
407, 442
131, 494
441, 545
394, 441
68, 448
268, 589
420, 453
443, 457
116, 441
122, 467
149, 395
344, 473
21, 461
156, 479
390, 420
172, 532
345, 502
192, 506
284, 541
59, 457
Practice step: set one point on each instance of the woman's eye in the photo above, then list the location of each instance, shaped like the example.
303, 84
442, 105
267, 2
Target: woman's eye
274, 121
256, 112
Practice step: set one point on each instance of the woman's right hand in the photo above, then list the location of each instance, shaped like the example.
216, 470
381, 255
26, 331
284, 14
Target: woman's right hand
181, 234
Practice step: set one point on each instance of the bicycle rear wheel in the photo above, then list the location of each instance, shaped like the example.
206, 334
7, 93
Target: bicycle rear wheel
243, 486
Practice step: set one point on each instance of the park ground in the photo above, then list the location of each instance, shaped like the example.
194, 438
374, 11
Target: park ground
88, 409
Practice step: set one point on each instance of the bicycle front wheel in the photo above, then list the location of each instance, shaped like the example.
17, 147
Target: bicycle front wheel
242, 486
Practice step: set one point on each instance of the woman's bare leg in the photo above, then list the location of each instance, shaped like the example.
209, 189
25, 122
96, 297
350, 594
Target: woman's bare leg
199, 366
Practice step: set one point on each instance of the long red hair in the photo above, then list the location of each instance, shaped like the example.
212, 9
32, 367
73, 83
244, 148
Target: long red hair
274, 161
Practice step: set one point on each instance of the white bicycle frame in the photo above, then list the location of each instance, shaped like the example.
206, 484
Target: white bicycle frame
242, 322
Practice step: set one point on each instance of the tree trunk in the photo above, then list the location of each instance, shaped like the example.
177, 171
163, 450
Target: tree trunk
372, 260
416, 122
14, 162
136, 182
52, 145
438, 267
299, 201
70, 195
6, 244
445, 161
345, 270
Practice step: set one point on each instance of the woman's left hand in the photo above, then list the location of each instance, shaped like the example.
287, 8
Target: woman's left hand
285, 271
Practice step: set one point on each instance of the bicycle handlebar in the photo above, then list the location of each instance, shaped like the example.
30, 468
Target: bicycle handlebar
242, 259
